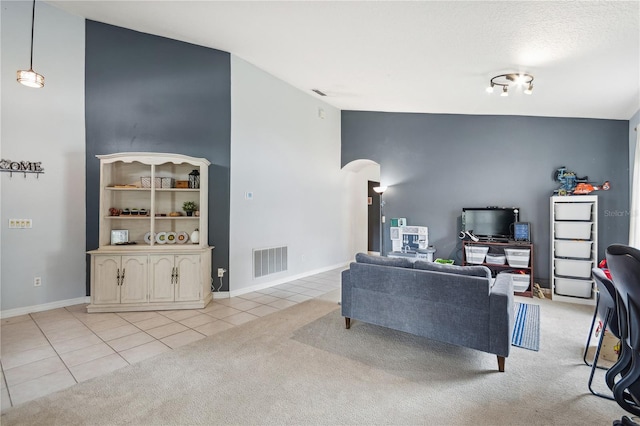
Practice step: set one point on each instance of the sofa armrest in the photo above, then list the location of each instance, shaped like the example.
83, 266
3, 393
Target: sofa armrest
501, 315
346, 293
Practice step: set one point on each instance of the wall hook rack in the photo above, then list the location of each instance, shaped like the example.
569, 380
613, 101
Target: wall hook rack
11, 172
24, 167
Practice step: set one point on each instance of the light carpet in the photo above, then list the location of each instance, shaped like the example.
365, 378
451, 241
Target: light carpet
301, 366
526, 329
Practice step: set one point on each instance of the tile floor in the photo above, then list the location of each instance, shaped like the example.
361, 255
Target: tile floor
44, 352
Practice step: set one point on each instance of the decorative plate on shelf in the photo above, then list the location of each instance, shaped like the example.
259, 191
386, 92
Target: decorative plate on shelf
161, 238
147, 237
171, 237
182, 237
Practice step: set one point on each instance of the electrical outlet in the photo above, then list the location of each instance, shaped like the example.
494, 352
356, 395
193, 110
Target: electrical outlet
20, 223
221, 272
37, 281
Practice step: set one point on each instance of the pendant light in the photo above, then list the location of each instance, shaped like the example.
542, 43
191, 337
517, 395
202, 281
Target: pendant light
29, 77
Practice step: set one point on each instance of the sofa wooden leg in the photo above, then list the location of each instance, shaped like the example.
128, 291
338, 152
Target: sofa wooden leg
347, 322
501, 364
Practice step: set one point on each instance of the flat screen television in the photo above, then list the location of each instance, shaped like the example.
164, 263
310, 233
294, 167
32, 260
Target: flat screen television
490, 223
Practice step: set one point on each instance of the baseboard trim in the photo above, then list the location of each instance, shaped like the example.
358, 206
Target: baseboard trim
262, 286
44, 307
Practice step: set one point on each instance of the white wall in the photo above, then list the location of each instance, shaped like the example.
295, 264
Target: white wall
44, 125
360, 172
289, 157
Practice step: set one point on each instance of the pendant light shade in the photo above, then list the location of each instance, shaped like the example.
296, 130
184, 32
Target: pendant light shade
29, 77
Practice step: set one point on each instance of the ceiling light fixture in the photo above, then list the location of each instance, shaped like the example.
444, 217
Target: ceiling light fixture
513, 79
29, 77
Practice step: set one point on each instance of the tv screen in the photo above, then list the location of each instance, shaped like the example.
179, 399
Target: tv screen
489, 223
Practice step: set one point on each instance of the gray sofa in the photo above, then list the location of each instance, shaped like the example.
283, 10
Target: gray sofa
451, 304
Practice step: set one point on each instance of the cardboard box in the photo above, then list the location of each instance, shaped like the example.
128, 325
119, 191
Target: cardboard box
182, 184
610, 347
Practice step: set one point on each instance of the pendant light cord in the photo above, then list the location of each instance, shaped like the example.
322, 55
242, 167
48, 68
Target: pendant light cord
33, 18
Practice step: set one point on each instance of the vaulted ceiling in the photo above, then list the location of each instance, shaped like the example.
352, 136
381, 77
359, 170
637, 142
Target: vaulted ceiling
417, 56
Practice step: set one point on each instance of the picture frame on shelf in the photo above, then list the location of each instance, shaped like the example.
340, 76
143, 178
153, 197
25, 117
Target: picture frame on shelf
119, 236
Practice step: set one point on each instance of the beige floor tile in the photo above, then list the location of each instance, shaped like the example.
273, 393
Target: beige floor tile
193, 322
262, 310
33, 370
3, 384
211, 328
5, 401
62, 323
78, 308
181, 339
225, 302
245, 305
51, 313
10, 345
241, 318
224, 312
153, 323
138, 316
314, 293
98, 367
265, 299
299, 298
282, 294
16, 359
16, 319
66, 334
145, 351
20, 329
181, 314
107, 324
41, 386
81, 356
77, 343
250, 296
116, 333
130, 341
167, 330
282, 303
94, 318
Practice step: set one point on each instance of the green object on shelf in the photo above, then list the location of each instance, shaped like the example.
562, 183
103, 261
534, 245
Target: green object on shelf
444, 261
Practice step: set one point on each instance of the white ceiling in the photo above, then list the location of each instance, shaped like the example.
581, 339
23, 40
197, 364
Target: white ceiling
420, 56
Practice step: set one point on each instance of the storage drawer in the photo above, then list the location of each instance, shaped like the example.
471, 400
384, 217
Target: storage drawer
573, 268
573, 230
576, 249
573, 211
575, 288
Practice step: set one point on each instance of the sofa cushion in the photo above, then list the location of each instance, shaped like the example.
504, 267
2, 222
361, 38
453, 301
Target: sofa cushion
383, 261
474, 271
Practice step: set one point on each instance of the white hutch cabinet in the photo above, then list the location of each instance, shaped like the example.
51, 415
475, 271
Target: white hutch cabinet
574, 247
146, 258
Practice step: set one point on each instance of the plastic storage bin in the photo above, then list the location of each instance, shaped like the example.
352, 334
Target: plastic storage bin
572, 287
573, 268
475, 254
575, 249
495, 259
573, 211
517, 258
573, 230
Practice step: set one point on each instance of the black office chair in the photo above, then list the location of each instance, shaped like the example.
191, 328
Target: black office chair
607, 311
624, 265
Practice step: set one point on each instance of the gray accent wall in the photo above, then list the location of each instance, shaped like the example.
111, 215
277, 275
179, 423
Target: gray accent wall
436, 164
149, 93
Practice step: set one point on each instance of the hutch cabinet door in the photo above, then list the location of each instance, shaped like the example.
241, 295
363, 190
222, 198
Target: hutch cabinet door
189, 284
106, 279
134, 282
162, 278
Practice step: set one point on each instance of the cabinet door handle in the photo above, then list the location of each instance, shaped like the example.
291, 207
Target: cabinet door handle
177, 275
118, 277
173, 275
122, 277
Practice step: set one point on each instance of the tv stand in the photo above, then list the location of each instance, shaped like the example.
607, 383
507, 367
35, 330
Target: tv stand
497, 247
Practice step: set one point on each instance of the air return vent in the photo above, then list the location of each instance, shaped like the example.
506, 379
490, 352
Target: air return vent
269, 261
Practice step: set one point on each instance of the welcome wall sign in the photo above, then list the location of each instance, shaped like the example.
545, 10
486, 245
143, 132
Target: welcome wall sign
25, 167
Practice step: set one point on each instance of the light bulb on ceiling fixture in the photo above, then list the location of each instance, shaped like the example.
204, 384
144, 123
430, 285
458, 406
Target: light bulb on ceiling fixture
529, 89
505, 91
490, 88
29, 77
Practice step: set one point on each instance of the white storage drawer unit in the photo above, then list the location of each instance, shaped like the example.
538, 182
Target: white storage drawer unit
573, 230
574, 247
573, 287
573, 211
573, 268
